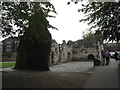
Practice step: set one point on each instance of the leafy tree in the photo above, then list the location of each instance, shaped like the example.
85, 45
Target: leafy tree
32, 29
104, 17
89, 35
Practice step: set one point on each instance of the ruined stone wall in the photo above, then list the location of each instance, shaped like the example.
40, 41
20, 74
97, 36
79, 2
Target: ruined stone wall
68, 51
82, 48
54, 54
65, 52
82, 53
60, 53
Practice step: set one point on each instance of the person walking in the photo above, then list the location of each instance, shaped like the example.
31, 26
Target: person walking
116, 56
107, 57
103, 57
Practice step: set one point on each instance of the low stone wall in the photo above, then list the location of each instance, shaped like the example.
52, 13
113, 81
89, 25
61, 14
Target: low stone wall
82, 53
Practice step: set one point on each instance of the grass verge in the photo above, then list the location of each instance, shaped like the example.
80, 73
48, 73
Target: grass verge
7, 64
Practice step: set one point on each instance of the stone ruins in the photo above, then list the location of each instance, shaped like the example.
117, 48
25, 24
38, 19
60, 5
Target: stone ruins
61, 53
72, 51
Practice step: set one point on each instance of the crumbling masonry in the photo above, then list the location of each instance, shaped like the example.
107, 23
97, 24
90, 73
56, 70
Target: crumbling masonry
61, 53
72, 51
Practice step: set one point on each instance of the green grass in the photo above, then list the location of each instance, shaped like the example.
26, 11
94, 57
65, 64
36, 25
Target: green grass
7, 64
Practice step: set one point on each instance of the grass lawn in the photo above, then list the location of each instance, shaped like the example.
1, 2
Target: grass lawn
7, 64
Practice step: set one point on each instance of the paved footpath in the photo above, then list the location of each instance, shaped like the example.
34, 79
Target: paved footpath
67, 75
104, 76
72, 67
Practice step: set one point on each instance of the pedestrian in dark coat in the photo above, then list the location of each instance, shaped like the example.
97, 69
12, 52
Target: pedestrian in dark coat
107, 57
116, 56
103, 57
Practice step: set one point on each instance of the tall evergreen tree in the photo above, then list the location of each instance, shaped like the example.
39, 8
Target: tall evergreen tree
32, 29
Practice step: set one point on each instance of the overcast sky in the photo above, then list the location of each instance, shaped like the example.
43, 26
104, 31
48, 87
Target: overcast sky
67, 21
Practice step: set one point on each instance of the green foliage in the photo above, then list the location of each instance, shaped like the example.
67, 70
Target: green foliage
89, 35
104, 17
20, 14
32, 28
